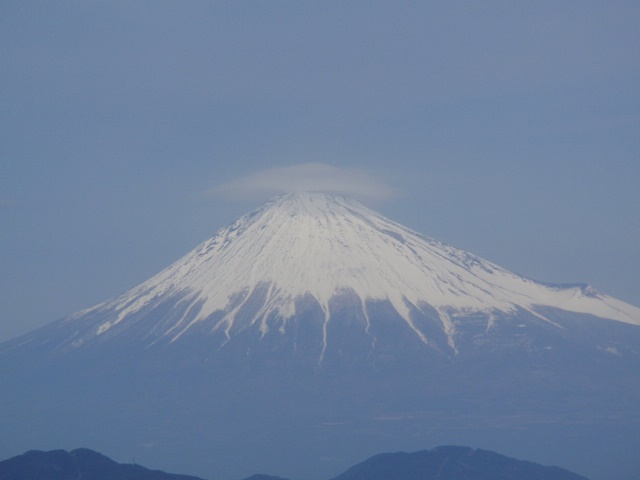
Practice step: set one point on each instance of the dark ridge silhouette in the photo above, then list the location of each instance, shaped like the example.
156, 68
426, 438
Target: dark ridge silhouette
78, 464
452, 463
442, 463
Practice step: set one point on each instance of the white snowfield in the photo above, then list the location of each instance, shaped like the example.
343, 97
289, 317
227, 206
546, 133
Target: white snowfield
321, 245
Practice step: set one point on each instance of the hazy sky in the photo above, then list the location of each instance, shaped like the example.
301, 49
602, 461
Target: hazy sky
132, 131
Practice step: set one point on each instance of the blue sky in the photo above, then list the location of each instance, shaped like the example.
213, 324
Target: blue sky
509, 129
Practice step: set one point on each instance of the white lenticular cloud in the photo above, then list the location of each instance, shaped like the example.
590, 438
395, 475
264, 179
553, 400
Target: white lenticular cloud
306, 177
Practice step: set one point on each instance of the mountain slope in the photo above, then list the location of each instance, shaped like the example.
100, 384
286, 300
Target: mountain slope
77, 464
442, 463
323, 251
318, 330
452, 463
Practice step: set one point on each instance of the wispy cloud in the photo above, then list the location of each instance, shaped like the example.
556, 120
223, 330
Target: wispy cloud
306, 177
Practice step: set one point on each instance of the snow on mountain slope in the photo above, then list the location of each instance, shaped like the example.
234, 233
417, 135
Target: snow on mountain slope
315, 321
322, 245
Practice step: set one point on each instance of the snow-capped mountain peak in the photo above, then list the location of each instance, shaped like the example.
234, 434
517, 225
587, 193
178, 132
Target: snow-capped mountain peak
319, 246
315, 311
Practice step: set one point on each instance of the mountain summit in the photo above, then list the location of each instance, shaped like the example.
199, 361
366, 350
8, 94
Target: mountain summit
318, 329
315, 250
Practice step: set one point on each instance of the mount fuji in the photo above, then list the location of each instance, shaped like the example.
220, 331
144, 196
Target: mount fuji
314, 324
